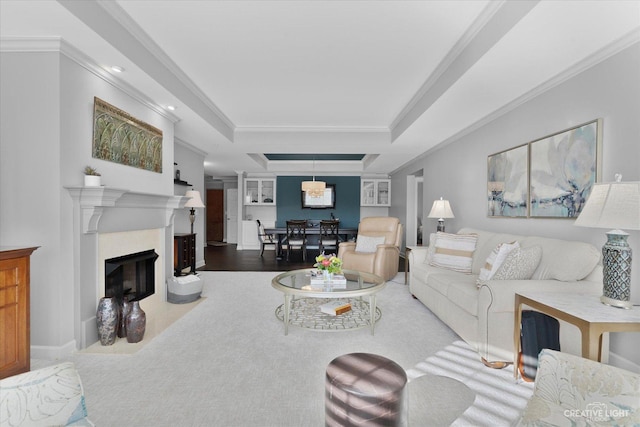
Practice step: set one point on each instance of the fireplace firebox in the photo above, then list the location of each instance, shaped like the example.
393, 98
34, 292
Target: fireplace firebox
130, 276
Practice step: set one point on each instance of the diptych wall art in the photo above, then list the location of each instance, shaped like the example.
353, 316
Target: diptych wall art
550, 177
564, 167
121, 138
507, 183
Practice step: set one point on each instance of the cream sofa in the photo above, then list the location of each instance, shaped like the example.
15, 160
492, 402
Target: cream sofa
483, 315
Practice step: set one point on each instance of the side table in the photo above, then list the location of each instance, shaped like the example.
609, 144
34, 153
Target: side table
583, 310
407, 251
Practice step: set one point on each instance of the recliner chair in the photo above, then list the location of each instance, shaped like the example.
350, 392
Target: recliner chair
377, 249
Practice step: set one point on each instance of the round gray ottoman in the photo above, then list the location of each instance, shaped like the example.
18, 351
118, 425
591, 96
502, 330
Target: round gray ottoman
363, 389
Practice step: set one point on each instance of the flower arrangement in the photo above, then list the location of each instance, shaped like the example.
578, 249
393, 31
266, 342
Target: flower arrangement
330, 263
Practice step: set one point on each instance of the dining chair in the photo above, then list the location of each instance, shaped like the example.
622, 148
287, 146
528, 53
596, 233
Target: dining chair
296, 238
329, 236
265, 239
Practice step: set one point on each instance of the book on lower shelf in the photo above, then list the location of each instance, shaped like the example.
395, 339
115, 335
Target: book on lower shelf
335, 308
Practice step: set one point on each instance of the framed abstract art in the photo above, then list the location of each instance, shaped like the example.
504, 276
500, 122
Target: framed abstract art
507, 184
563, 168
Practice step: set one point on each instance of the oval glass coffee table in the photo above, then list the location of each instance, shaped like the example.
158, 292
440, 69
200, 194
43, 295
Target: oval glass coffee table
302, 300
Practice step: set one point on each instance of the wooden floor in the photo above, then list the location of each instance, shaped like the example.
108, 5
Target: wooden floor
223, 257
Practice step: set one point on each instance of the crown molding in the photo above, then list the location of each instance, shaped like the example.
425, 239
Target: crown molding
312, 129
190, 146
624, 42
458, 48
134, 30
59, 45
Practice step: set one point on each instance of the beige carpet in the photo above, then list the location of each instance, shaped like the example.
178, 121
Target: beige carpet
227, 362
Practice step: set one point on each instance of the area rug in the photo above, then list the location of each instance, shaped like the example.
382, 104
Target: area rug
499, 399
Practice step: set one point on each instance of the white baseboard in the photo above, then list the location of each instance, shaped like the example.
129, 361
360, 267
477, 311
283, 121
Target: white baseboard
620, 362
53, 353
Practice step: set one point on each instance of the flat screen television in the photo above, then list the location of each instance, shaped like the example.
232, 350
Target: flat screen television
327, 201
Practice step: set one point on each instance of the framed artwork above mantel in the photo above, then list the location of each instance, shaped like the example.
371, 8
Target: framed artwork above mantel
121, 138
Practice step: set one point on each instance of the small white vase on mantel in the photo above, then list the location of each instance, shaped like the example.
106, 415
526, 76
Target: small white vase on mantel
92, 180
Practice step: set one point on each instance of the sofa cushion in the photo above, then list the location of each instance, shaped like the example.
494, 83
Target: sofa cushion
495, 260
563, 260
454, 251
464, 293
368, 244
519, 264
44, 397
487, 241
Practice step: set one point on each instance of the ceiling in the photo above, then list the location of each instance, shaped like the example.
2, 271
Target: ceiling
386, 81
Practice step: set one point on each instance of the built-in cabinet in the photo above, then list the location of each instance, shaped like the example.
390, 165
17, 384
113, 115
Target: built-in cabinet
260, 191
375, 192
15, 343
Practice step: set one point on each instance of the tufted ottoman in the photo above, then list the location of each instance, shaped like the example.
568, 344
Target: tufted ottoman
363, 389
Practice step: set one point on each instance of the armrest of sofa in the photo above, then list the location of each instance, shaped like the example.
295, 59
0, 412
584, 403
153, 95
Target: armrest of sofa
570, 390
44, 397
418, 254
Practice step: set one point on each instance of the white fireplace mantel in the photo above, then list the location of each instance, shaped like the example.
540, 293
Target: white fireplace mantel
94, 200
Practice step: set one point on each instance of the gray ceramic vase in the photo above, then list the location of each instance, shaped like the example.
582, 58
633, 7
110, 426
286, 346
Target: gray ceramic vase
122, 323
107, 317
136, 323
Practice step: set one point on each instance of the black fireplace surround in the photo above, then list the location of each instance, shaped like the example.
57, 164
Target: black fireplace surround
130, 276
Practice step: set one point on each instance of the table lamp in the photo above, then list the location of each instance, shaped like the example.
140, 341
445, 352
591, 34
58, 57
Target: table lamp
441, 209
194, 202
614, 205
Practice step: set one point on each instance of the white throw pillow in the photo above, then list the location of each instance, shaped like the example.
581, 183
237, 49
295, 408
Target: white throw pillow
520, 264
368, 244
454, 251
432, 248
495, 260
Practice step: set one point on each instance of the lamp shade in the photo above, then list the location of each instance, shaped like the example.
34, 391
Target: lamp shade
614, 205
314, 188
441, 209
195, 201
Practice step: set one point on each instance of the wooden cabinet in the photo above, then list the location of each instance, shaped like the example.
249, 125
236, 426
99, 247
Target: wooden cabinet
260, 191
375, 192
184, 252
15, 343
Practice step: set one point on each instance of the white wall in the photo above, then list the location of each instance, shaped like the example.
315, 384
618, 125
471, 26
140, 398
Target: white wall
609, 90
46, 134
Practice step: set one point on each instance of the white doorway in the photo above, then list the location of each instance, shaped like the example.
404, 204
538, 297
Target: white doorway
232, 215
414, 218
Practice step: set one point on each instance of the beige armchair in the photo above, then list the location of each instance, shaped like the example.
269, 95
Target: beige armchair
377, 249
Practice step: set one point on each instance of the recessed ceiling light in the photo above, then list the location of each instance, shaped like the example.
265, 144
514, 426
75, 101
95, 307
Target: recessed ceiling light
171, 107
117, 68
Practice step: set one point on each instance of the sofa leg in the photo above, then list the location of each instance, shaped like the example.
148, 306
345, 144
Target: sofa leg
414, 297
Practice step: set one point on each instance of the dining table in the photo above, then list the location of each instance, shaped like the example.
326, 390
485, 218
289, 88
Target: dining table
280, 233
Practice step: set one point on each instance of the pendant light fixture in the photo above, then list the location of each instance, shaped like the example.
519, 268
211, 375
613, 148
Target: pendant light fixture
314, 188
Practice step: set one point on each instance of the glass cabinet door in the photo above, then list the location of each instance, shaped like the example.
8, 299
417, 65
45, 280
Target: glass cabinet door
368, 192
267, 192
251, 191
383, 192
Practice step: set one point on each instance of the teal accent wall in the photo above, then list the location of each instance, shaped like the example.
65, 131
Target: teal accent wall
289, 202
